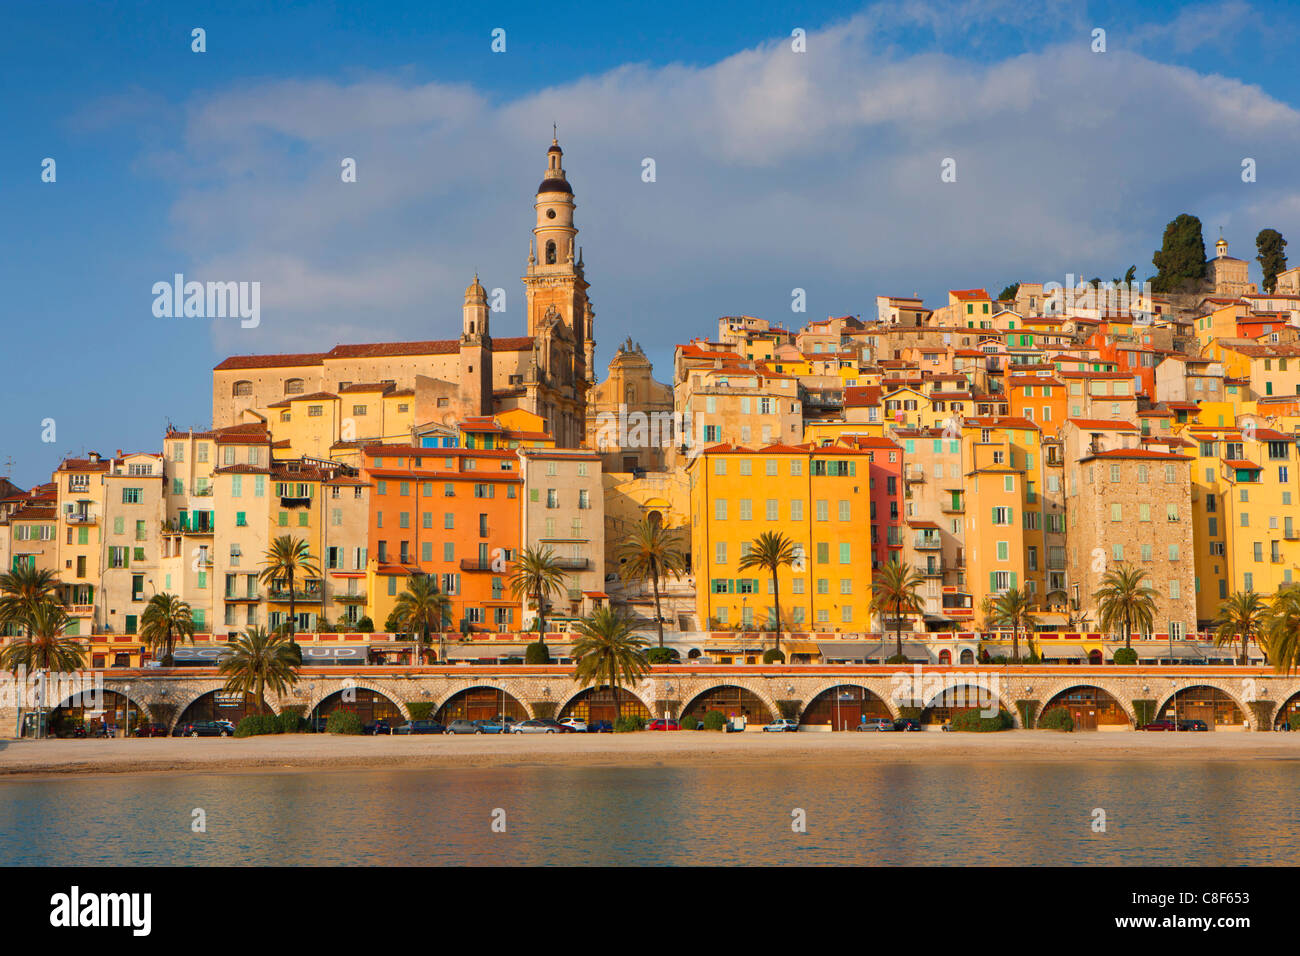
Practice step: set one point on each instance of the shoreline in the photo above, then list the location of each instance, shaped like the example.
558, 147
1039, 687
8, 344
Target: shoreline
32, 759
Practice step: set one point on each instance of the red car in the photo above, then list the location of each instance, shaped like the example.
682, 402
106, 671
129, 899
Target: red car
149, 730
1161, 725
662, 724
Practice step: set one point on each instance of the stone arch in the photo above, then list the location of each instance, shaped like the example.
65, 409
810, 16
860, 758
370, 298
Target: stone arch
971, 682
753, 687
857, 709
328, 689
1242, 707
600, 709
519, 701
823, 686
1281, 714
313, 712
637, 692
141, 712
1120, 698
272, 704
521, 692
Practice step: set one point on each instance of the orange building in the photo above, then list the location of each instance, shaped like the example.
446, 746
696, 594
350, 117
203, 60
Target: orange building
1038, 398
454, 513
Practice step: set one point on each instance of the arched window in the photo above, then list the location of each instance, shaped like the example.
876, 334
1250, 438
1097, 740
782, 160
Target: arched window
243, 389
550, 253
293, 386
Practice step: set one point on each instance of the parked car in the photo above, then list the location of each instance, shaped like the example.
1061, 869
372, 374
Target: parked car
104, 730
146, 730
377, 727
536, 727
877, 724
599, 727
578, 724
463, 726
907, 723
559, 727
228, 724
1192, 725
493, 726
420, 727
206, 728
660, 723
782, 725
1161, 725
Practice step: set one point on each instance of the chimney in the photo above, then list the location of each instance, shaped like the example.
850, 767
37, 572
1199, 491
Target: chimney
93, 456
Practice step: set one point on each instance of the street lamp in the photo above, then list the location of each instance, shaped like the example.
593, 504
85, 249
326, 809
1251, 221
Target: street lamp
126, 688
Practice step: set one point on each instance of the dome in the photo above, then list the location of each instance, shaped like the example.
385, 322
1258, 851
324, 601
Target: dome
475, 291
554, 186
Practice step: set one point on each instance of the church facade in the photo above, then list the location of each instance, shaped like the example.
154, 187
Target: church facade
546, 372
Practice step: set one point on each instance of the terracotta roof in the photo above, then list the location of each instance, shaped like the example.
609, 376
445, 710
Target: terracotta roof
1102, 424
1138, 453
965, 294
283, 360
313, 397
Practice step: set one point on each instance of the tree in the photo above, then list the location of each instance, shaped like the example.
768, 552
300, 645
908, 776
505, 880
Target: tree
166, 618
1014, 609
260, 659
1280, 629
21, 590
771, 551
1181, 259
44, 646
539, 576
1124, 600
1009, 292
608, 652
897, 587
1239, 616
649, 554
1271, 258
287, 559
421, 608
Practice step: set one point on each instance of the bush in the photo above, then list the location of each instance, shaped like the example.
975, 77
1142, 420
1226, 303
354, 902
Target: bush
772, 655
909, 713
537, 653
343, 722
715, 720
393, 623
1056, 718
661, 655
897, 659
1125, 655
688, 721
420, 709
365, 626
293, 719
629, 723
255, 725
790, 709
972, 721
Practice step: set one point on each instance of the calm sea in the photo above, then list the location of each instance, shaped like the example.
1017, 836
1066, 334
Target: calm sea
1157, 813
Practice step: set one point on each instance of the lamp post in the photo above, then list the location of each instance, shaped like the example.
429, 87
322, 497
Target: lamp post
126, 688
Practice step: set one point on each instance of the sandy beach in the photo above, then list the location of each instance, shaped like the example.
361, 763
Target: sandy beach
25, 758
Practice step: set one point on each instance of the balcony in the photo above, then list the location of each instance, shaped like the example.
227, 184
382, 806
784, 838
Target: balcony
474, 564
81, 517
953, 507
203, 492
307, 592
350, 598
933, 568
1291, 534
927, 541
914, 474
572, 564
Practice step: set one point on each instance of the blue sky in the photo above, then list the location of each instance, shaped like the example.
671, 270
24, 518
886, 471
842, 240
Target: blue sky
775, 170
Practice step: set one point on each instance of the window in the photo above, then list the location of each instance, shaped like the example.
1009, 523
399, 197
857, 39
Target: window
1171, 512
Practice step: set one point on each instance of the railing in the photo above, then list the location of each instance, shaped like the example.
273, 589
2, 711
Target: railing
474, 564
572, 564
80, 517
927, 543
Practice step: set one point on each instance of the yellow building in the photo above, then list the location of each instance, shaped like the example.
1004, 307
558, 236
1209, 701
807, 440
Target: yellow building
819, 498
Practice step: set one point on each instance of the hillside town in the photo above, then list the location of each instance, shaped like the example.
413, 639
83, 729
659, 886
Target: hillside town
915, 465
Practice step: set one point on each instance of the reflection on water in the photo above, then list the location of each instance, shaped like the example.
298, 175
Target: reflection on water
886, 814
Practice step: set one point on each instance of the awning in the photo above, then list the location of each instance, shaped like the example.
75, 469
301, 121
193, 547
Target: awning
1183, 650
1062, 651
852, 651
337, 653
801, 647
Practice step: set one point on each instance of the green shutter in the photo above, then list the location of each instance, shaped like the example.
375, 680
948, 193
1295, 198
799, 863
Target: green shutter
1013, 579
993, 580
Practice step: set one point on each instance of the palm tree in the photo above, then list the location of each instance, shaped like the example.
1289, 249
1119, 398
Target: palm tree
260, 659
539, 576
1280, 629
44, 647
897, 587
166, 618
608, 652
1014, 609
286, 559
1240, 615
422, 607
650, 553
21, 589
1124, 600
771, 551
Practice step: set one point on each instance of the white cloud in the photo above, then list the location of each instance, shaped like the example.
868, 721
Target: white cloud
775, 170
